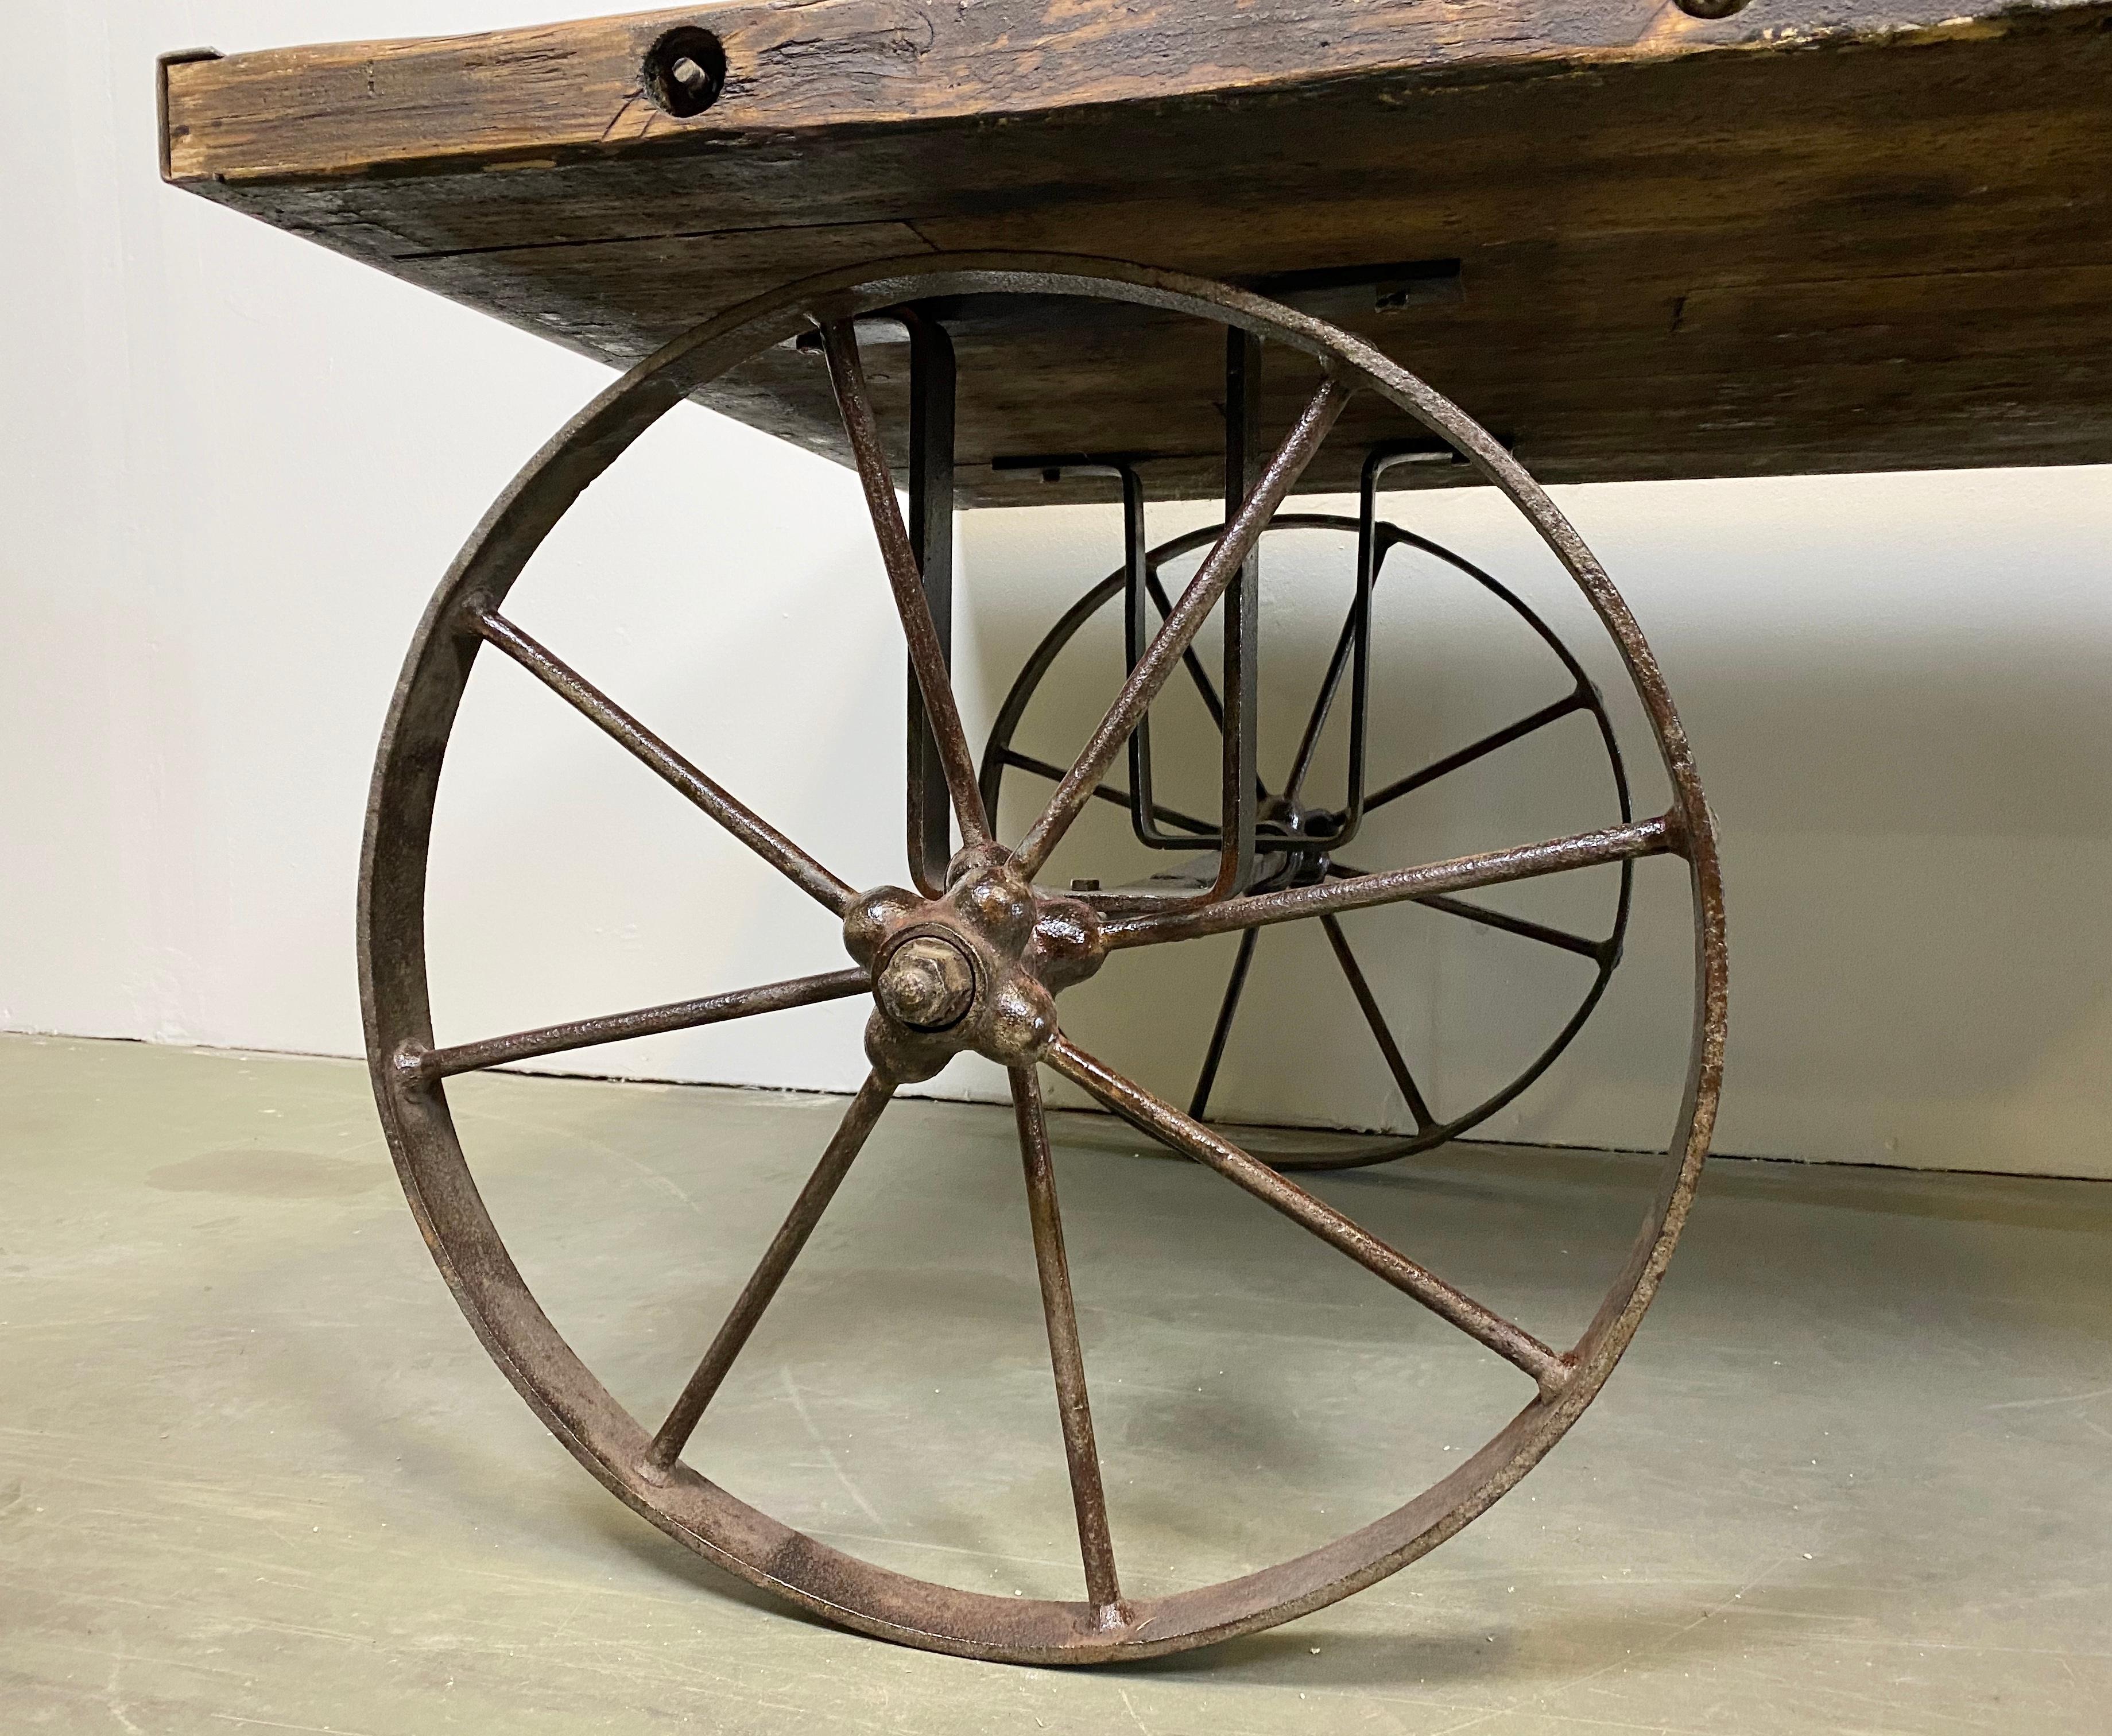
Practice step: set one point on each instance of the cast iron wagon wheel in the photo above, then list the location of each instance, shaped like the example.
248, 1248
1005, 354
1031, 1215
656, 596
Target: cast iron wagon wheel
1309, 857
977, 966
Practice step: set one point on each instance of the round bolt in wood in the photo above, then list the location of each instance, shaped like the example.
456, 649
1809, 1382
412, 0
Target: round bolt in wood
1712, 8
686, 71
928, 983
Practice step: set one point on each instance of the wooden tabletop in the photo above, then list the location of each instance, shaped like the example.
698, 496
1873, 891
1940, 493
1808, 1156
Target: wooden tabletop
1812, 235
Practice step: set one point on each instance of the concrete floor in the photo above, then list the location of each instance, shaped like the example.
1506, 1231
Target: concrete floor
1856, 1473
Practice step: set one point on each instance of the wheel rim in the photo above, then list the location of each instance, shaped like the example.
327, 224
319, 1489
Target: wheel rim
408, 1072
1287, 1149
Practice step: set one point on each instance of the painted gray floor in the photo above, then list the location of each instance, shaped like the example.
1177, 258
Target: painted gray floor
1856, 1473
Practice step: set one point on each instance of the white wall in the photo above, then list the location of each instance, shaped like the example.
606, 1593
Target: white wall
235, 465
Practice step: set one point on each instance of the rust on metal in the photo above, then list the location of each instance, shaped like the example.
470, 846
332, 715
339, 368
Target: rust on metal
974, 970
1073, 1405
742, 822
1626, 843
762, 1284
927, 983
424, 1063
974, 962
1516, 1346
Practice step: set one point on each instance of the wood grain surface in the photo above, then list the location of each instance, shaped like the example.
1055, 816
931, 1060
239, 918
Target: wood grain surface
1816, 235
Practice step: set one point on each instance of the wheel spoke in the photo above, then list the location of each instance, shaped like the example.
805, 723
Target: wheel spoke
1369, 1002
1597, 951
1163, 1121
1451, 762
1584, 947
594, 705
426, 1065
1221, 1033
1111, 793
927, 656
1095, 1544
1372, 548
748, 1310
1308, 744
1206, 689
1204, 591
1461, 874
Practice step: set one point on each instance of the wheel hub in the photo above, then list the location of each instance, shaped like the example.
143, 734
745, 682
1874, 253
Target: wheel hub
1299, 836
978, 967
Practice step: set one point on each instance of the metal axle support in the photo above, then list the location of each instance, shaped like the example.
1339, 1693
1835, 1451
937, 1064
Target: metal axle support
932, 393
1301, 840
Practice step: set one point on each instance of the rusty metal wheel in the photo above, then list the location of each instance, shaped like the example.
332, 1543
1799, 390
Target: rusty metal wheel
1305, 851
974, 961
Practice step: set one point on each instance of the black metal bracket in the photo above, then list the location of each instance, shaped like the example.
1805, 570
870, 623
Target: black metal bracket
1373, 542
931, 420
1142, 586
1240, 694
1233, 707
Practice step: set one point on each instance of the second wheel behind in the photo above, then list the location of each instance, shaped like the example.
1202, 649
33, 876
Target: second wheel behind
1359, 787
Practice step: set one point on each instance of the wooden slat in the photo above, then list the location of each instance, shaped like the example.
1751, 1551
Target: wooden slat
1821, 234
828, 64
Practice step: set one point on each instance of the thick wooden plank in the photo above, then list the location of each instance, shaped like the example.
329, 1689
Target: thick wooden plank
1820, 234
827, 64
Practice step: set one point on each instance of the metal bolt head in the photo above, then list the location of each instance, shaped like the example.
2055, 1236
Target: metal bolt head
1712, 8
684, 71
927, 983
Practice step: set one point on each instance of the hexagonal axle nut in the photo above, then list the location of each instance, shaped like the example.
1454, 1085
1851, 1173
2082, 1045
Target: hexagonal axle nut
927, 983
